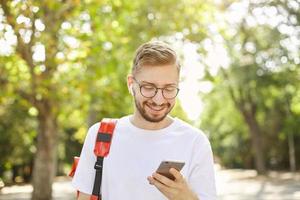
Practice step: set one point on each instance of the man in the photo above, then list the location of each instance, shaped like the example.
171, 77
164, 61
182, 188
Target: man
147, 137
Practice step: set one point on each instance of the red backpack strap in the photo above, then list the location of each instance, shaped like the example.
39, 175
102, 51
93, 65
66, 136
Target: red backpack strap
101, 150
104, 137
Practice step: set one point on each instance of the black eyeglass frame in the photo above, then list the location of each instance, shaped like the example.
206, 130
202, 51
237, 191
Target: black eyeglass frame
156, 90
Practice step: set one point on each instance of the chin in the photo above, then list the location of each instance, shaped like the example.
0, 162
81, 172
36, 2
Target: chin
151, 117
155, 119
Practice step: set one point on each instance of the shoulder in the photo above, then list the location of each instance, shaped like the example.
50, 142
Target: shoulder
92, 132
198, 135
94, 126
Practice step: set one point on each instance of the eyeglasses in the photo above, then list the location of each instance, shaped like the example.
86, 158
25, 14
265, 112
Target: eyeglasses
149, 90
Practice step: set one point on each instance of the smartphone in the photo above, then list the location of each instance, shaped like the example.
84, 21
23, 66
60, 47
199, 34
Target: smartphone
165, 166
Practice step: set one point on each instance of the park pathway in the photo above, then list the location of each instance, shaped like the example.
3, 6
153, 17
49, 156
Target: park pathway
231, 185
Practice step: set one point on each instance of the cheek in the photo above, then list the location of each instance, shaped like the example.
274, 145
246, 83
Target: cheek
140, 99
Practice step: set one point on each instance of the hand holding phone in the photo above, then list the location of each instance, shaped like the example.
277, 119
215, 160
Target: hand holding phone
165, 166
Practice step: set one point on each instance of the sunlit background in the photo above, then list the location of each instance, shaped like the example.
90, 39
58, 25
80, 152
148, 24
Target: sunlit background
63, 67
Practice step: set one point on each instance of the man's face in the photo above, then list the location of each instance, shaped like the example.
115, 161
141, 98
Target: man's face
156, 108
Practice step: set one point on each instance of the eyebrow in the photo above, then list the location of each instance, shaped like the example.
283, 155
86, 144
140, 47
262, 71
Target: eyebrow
168, 84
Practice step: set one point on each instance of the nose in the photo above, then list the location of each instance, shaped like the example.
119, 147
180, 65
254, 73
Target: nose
159, 98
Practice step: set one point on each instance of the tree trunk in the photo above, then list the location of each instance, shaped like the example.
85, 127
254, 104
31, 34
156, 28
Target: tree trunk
46, 156
291, 144
292, 156
92, 116
256, 141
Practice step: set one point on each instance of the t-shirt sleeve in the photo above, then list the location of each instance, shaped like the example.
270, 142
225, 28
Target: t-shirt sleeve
84, 176
202, 175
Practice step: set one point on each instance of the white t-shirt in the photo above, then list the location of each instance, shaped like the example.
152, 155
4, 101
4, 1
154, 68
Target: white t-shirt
136, 153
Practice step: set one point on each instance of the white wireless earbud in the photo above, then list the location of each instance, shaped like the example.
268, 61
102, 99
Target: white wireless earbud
131, 89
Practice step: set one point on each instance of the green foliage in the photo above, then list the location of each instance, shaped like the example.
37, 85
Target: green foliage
262, 79
17, 130
92, 44
227, 132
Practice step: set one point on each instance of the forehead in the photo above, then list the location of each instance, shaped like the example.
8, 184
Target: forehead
160, 75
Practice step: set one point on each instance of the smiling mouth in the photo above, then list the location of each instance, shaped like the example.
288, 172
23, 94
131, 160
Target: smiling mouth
156, 109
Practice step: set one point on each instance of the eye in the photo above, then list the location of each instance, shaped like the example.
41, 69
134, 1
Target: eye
170, 89
148, 87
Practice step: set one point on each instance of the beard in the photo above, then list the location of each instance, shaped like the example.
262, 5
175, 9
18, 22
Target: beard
152, 117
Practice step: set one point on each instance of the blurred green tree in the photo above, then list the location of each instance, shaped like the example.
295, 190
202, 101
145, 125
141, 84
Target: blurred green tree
259, 79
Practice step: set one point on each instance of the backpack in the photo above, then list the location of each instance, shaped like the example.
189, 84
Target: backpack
101, 150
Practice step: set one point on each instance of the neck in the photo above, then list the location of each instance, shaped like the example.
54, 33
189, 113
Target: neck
138, 121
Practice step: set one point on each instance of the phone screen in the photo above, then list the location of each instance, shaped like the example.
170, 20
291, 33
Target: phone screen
165, 166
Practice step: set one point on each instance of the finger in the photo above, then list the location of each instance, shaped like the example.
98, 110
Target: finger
161, 187
178, 176
150, 180
166, 181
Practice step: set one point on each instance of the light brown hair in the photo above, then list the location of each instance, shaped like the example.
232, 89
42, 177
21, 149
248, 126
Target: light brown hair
154, 53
